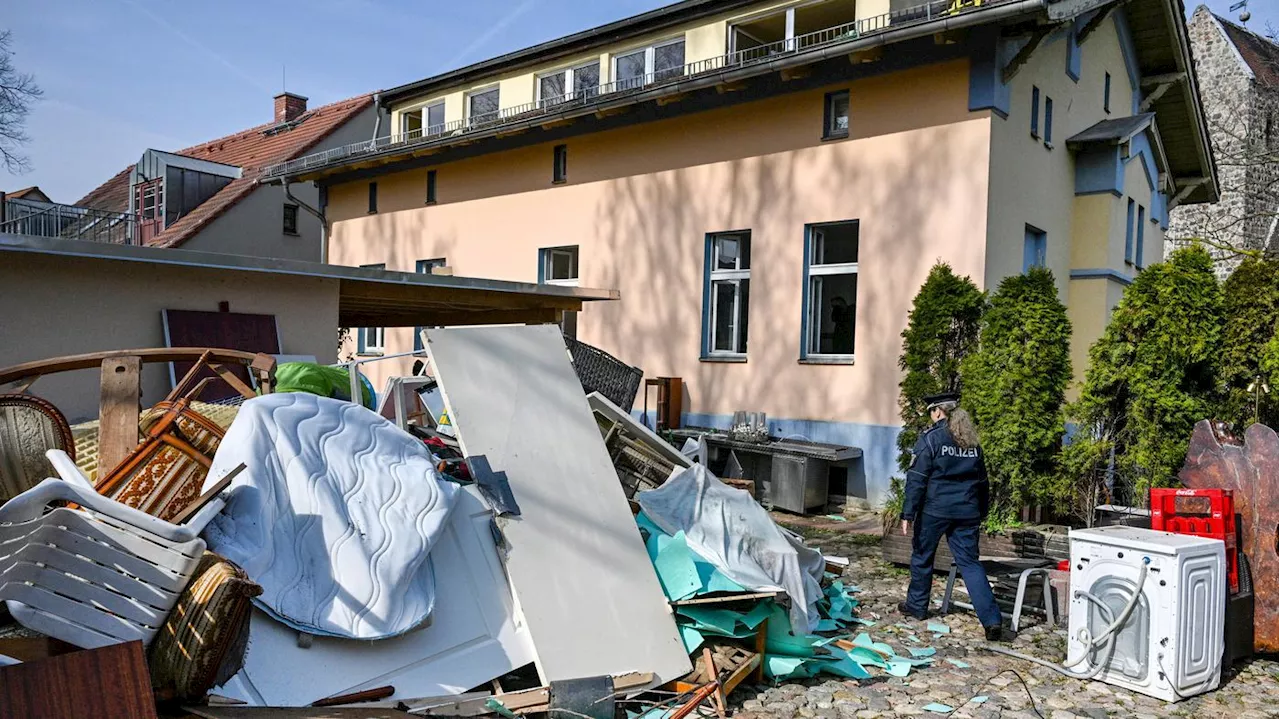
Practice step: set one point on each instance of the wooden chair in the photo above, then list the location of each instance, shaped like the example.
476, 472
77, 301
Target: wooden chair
29, 426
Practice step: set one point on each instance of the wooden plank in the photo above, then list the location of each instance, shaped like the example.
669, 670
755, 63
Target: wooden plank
208, 496
725, 599
107, 683
742, 672
514, 399
709, 666
118, 410
368, 695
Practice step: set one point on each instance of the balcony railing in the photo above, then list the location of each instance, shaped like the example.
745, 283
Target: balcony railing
47, 219
613, 91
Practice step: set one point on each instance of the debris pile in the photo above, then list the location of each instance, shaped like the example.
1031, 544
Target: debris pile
537, 553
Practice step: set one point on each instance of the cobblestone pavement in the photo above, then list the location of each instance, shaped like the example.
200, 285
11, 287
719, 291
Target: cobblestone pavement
1250, 692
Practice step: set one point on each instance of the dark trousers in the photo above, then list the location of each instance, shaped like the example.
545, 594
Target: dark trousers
962, 537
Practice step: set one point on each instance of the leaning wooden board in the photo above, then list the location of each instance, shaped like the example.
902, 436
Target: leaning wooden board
577, 564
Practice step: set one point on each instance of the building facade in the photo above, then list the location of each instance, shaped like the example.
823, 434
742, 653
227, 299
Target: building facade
768, 184
209, 198
1237, 71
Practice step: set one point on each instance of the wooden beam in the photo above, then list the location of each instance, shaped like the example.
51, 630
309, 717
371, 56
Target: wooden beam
1024, 54
871, 54
611, 111
670, 99
425, 152
1163, 79
562, 122
148, 356
1186, 186
1094, 23
735, 86
118, 411
948, 37
511, 133
1154, 95
447, 318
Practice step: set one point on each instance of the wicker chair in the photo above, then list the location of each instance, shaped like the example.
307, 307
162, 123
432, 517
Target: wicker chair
29, 426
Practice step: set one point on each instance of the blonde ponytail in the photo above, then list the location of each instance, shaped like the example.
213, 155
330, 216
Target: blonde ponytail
962, 429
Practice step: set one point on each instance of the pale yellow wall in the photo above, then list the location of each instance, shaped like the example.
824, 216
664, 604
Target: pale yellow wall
1031, 184
704, 39
1094, 222
1088, 308
75, 306
640, 200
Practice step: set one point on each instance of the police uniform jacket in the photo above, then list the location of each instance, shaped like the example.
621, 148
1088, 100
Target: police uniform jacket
945, 480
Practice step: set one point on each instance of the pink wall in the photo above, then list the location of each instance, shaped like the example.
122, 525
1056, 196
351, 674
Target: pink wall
640, 200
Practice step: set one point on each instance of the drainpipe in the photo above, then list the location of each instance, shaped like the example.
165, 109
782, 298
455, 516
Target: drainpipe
377, 114
324, 223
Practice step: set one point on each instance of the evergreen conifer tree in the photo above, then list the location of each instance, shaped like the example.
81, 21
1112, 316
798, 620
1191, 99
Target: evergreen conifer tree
1015, 385
1249, 309
941, 330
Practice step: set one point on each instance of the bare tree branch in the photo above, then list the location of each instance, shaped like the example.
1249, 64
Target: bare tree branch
17, 91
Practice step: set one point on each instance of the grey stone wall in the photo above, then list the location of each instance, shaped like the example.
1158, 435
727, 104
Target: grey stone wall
1242, 118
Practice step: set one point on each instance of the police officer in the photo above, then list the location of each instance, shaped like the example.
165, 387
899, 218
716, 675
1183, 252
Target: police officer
947, 493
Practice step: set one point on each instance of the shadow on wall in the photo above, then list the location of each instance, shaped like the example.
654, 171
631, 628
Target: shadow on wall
657, 228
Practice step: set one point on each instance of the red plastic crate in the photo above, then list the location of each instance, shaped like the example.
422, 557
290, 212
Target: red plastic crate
1203, 513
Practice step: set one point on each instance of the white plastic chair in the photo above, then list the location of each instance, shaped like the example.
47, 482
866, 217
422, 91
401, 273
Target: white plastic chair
99, 575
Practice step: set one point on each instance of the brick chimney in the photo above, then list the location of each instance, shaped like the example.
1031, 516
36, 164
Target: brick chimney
289, 106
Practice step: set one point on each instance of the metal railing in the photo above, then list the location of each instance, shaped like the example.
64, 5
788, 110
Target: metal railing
72, 222
613, 91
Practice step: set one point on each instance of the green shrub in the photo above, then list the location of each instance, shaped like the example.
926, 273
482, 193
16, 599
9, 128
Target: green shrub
1014, 385
1249, 310
1151, 377
941, 330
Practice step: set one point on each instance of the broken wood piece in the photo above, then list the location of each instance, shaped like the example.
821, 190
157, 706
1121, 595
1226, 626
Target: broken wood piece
726, 598
713, 676
119, 409
208, 496
368, 695
230, 378
110, 682
225, 712
699, 696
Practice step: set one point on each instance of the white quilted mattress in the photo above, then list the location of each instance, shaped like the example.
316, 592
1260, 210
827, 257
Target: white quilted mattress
335, 515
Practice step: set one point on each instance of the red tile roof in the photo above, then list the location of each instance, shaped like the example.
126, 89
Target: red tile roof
1259, 53
29, 193
251, 150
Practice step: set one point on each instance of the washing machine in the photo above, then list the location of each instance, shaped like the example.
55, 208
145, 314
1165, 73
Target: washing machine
1170, 647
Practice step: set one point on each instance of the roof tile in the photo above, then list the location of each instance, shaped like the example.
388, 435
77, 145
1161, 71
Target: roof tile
251, 150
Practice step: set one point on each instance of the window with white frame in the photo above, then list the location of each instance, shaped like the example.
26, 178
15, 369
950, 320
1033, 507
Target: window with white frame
832, 302
569, 84
559, 266
482, 106
372, 340
648, 64
728, 292
425, 267
424, 121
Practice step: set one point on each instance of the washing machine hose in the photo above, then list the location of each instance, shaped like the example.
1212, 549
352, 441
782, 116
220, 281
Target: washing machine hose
1105, 639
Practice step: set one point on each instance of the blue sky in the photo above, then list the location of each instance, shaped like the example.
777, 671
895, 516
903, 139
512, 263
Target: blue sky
121, 76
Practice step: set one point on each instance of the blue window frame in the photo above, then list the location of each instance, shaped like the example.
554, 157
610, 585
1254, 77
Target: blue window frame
830, 299
1034, 247
372, 340
1139, 228
1106, 92
1128, 233
424, 267
1035, 112
1048, 120
726, 293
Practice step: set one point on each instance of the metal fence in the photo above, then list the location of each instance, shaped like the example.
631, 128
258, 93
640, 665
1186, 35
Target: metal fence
47, 219
618, 89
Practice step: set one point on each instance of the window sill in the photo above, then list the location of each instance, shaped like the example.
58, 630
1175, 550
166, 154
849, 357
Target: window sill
559, 182
369, 353
830, 138
1048, 145
429, 202
827, 359
290, 234
1035, 136
739, 359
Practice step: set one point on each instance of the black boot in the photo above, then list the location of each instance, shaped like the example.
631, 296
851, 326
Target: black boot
905, 611
999, 634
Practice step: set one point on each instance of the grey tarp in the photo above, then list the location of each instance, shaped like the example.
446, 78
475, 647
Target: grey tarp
727, 528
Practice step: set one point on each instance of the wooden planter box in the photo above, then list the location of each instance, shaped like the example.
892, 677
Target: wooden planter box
1026, 543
